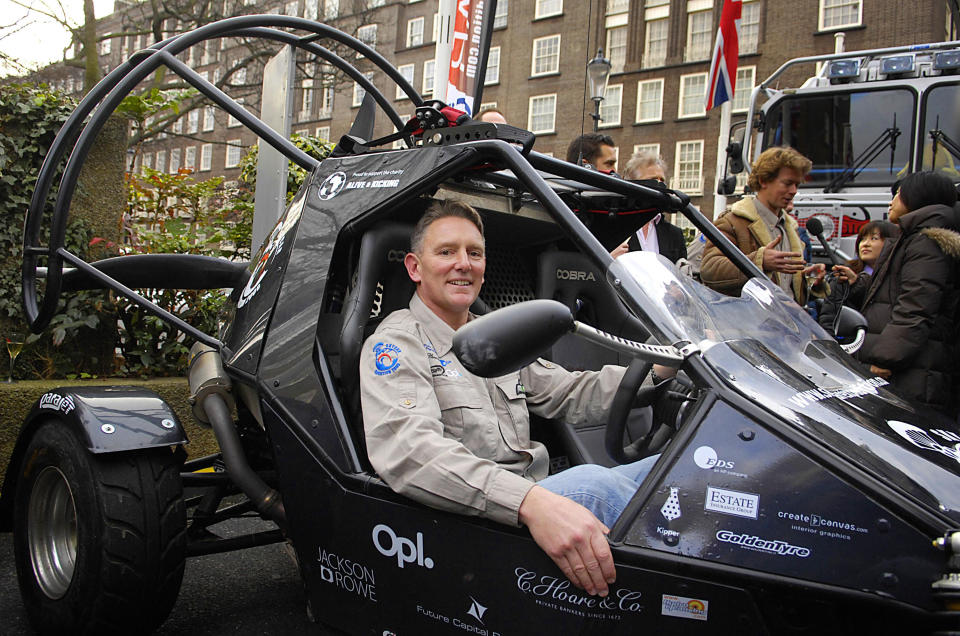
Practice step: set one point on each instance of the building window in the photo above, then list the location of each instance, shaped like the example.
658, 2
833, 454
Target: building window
208, 118
693, 95
655, 43
311, 9
546, 55
617, 6
210, 52
233, 122
542, 114
147, 162
610, 106
234, 154
326, 102
428, 71
331, 9
407, 71
177, 127
746, 77
193, 121
617, 48
689, 167
368, 35
836, 14
175, 161
500, 17
749, 27
650, 100
486, 105
699, 36
239, 77
359, 92
323, 132
206, 156
161, 161
651, 148
415, 32
106, 46
190, 158
493, 67
291, 8
306, 98
547, 8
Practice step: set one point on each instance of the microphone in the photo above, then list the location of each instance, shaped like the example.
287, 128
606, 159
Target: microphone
815, 227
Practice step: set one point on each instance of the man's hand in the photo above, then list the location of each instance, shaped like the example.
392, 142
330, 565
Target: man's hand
777, 261
815, 273
880, 371
572, 536
620, 250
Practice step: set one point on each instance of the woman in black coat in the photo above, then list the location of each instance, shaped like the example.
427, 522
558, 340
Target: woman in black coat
853, 279
911, 303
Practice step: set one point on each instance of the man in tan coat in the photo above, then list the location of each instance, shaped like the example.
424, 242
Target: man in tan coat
761, 228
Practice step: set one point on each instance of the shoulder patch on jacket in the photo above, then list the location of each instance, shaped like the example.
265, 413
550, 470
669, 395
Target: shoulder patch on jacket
947, 240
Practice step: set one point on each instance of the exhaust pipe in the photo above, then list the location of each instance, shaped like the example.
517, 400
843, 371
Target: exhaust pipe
212, 405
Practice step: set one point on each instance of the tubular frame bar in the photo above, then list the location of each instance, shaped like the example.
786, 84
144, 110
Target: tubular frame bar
104, 99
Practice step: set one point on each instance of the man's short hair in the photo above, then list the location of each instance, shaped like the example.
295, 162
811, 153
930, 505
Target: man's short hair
640, 160
587, 147
441, 210
767, 166
489, 109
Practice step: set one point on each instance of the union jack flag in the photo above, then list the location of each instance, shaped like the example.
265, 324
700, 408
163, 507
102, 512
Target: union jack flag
723, 68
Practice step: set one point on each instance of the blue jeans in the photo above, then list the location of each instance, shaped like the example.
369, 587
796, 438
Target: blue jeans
603, 491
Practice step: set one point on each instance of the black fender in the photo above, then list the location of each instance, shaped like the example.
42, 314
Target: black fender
108, 419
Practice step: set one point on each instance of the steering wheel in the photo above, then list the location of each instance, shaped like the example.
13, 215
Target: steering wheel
629, 395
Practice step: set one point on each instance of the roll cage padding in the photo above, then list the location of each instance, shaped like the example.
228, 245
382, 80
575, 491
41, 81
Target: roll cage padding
169, 271
107, 95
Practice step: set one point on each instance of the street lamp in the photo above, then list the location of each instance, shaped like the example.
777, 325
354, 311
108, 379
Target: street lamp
598, 71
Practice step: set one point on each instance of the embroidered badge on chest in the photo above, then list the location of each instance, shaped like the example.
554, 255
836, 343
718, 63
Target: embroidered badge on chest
387, 358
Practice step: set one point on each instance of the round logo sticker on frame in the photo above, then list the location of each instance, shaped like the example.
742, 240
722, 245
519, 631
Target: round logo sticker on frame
387, 358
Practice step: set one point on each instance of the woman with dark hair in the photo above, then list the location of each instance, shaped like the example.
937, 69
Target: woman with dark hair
911, 302
853, 279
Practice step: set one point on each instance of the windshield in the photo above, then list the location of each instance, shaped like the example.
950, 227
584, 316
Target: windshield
941, 105
859, 138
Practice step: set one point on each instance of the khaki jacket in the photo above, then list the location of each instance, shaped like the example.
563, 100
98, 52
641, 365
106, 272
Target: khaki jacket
744, 227
454, 441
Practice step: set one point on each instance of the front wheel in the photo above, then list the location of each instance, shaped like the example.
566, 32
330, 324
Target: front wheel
99, 540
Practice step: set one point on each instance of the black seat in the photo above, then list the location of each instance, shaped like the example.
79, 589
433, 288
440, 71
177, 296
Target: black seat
382, 286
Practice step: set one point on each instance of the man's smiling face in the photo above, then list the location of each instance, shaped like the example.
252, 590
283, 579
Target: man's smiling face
449, 268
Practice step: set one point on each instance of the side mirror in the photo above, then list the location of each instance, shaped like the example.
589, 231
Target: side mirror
727, 186
509, 339
850, 327
735, 158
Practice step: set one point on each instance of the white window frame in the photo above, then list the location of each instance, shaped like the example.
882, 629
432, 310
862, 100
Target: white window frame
544, 9
648, 60
653, 148
530, 114
146, 162
429, 68
306, 98
206, 157
700, 50
326, 101
701, 100
617, 54
161, 165
359, 92
743, 89
749, 31
174, 166
233, 146
233, 122
323, 132
193, 121
640, 101
493, 67
680, 182
415, 32
190, 158
611, 108
837, 4
209, 118
536, 55
311, 9
617, 6
331, 9
501, 14
409, 72
364, 35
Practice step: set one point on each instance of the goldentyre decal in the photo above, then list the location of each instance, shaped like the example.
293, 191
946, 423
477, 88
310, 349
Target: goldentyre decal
753, 542
346, 574
559, 594
684, 607
732, 502
57, 402
387, 358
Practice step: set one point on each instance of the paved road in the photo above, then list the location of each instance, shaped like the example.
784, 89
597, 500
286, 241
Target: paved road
245, 593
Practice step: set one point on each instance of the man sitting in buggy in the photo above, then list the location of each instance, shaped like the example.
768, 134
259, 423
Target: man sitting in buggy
461, 443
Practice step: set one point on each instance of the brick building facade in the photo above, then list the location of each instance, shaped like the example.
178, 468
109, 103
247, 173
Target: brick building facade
660, 51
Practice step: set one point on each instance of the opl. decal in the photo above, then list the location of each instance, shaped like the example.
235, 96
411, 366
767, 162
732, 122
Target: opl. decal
389, 544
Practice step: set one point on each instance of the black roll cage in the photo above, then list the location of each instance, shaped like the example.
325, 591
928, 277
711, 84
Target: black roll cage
104, 98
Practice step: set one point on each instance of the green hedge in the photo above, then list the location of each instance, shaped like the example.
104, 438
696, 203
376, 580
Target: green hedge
17, 398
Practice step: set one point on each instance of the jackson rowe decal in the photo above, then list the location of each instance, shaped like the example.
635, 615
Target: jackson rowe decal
753, 542
57, 402
347, 574
560, 595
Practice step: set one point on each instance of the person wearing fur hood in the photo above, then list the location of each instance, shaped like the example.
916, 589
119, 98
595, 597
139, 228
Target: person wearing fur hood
912, 299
